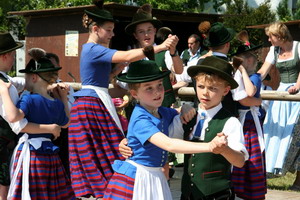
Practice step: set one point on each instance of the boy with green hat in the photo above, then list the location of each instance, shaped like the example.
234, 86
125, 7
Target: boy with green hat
141, 176
9, 130
207, 176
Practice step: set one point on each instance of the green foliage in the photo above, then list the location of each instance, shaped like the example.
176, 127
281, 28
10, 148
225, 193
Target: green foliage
283, 11
241, 15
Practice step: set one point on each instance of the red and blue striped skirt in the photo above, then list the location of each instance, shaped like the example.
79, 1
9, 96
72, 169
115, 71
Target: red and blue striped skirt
47, 178
120, 188
250, 181
93, 146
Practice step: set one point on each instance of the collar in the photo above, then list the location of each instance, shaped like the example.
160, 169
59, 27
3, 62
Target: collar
196, 54
210, 113
219, 54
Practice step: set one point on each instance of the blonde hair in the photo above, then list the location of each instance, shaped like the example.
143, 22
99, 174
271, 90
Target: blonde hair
211, 78
134, 86
279, 30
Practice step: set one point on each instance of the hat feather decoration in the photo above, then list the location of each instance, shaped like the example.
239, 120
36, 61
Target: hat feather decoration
147, 8
98, 3
204, 28
243, 37
149, 52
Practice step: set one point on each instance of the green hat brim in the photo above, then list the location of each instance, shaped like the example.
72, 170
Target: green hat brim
129, 29
39, 70
17, 46
126, 79
194, 70
247, 50
230, 36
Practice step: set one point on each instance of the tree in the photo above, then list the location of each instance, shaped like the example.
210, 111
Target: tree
239, 15
283, 11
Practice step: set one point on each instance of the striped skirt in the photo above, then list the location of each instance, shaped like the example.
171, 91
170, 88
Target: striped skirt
250, 181
47, 178
93, 146
120, 188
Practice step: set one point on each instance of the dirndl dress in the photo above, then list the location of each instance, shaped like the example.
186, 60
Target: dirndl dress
38, 172
94, 138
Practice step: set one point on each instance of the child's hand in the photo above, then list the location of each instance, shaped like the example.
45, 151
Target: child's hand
293, 89
60, 91
56, 130
187, 113
124, 149
4, 86
218, 144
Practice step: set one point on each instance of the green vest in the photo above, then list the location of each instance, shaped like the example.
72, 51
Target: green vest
288, 70
5, 131
207, 173
169, 97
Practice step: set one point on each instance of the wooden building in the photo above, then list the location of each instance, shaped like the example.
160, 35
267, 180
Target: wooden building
60, 31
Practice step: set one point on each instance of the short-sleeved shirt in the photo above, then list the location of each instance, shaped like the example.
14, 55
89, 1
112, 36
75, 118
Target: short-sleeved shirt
141, 127
19, 125
232, 128
95, 67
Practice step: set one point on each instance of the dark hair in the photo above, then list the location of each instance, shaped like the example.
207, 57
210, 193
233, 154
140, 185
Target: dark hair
197, 37
162, 34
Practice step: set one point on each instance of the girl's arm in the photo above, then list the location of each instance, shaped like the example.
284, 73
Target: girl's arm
264, 70
250, 101
249, 87
180, 146
138, 54
13, 114
42, 128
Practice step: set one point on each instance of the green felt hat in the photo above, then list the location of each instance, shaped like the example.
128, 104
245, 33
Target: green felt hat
142, 15
214, 65
7, 43
100, 14
42, 65
218, 35
142, 71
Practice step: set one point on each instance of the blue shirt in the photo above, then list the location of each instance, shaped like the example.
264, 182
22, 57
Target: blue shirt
95, 67
141, 127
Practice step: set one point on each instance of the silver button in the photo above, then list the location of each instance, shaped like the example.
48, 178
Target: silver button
192, 174
193, 165
192, 184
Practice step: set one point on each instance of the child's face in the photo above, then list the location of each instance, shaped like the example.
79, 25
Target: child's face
145, 34
106, 32
210, 92
150, 94
8, 60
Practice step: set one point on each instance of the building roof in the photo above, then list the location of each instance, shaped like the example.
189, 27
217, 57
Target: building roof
122, 10
262, 26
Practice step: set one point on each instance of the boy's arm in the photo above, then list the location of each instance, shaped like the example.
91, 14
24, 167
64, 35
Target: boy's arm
250, 101
12, 113
236, 158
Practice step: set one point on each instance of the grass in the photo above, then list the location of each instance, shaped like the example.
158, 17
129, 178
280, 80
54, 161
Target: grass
281, 182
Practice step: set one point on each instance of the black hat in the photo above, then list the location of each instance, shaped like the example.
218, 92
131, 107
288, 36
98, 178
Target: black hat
214, 65
143, 14
246, 48
7, 43
42, 65
218, 35
142, 71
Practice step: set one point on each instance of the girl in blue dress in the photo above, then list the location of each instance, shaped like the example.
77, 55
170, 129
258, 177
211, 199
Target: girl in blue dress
141, 176
95, 129
37, 171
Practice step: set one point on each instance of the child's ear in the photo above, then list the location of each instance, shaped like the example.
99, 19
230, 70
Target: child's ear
227, 89
133, 93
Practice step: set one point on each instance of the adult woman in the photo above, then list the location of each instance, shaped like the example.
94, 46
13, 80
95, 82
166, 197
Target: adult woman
95, 130
281, 115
